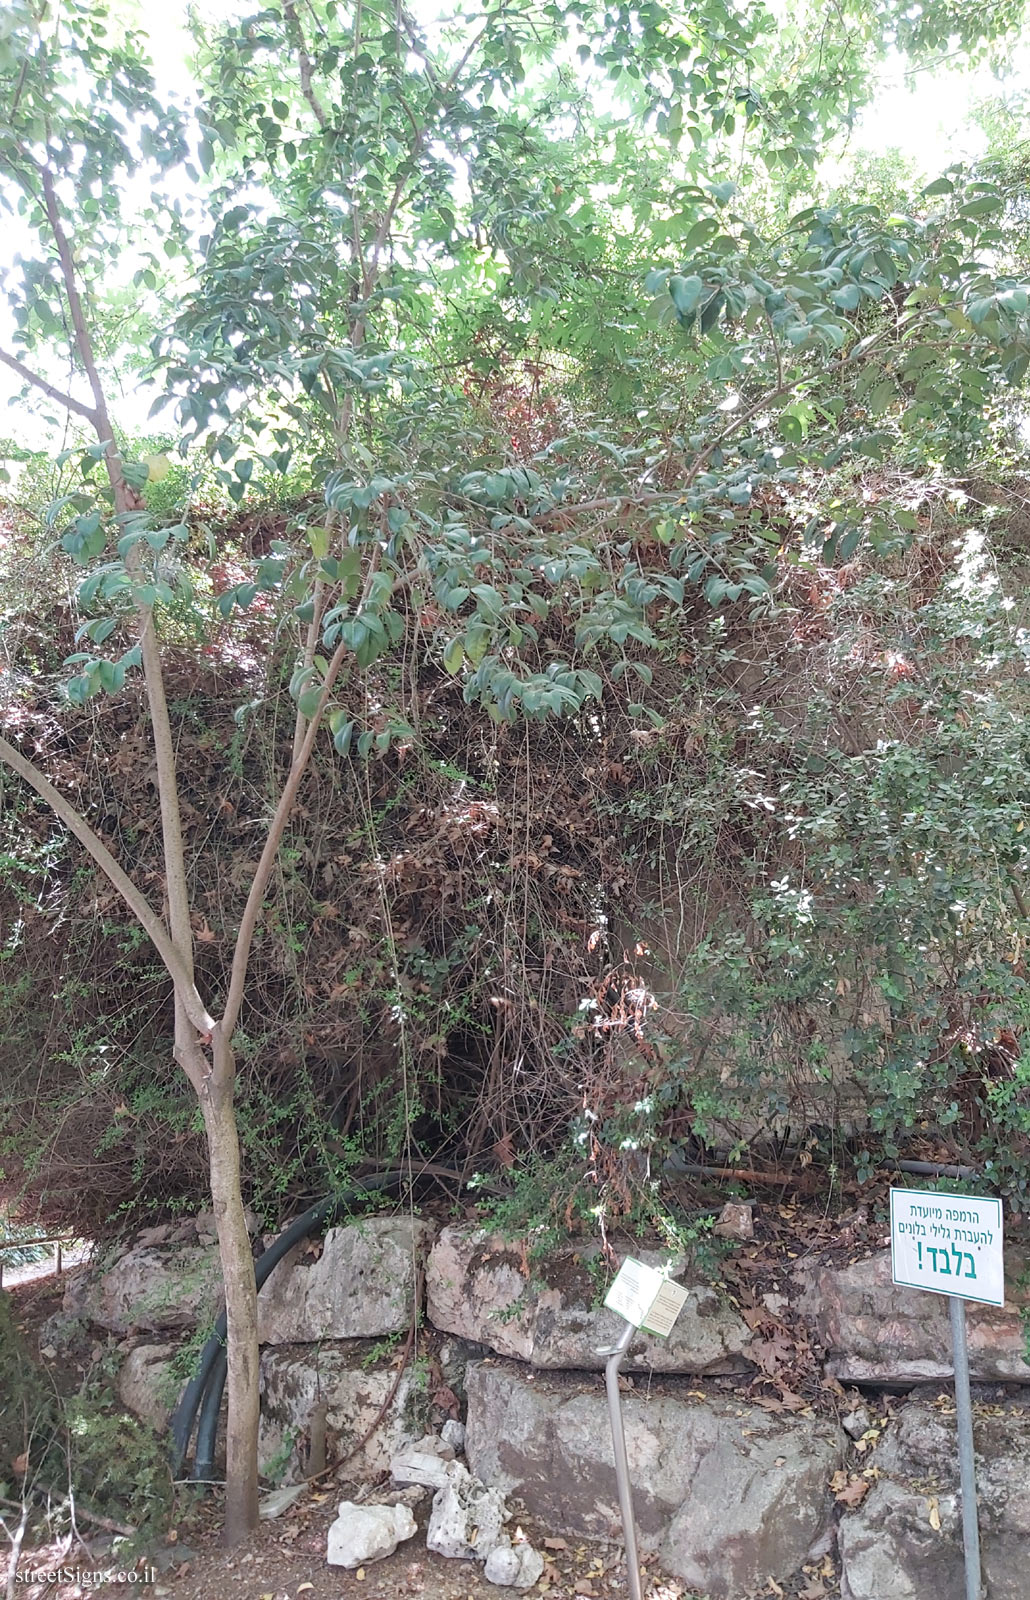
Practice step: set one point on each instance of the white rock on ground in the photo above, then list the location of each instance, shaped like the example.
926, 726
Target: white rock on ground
367, 1533
514, 1566
419, 1466
467, 1519
434, 1444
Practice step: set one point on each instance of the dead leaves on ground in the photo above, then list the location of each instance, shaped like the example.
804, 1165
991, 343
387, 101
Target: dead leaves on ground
849, 1489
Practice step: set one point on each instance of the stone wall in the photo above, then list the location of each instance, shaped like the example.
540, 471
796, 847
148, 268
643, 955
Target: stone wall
739, 1479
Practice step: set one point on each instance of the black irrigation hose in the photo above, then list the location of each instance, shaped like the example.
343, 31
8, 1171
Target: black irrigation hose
205, 1388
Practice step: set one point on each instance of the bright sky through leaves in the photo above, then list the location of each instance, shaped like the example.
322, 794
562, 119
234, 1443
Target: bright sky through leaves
927, 115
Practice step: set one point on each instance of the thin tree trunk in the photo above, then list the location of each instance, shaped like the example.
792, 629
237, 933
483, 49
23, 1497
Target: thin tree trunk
215, 1082
237, 1262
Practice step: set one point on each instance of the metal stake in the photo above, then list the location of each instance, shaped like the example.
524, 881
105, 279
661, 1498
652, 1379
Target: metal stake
966, 1460
611, 1379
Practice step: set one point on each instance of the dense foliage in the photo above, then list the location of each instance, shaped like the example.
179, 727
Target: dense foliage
673, 787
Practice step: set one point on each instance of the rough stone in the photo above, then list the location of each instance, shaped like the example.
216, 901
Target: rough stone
295, 1377
145, 1383
735, 1221
419, 1466
453, 1433
157, 1290
513, 1566
435, 1444
467, 1519
362, 1534
857, 1422
728, 1494
481, 1288
361, 1286
66, 1335
278, 1501
416, 1496
875, 1332
889, 1546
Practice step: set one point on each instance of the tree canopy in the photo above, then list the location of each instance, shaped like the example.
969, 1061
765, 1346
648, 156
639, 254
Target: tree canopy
607, 502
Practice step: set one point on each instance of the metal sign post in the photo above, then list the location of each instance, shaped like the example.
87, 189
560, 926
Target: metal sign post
646, 1299
629, 1527
953, 1244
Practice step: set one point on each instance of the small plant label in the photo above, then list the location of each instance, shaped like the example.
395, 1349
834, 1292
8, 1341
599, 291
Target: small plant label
949, 1244
646, 1297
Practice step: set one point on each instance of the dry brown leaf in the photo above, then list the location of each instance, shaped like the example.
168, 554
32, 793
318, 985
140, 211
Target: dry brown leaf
935, 1514
556, 1544
853, 1493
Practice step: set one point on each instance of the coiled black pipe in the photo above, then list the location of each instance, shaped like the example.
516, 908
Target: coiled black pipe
204, 1390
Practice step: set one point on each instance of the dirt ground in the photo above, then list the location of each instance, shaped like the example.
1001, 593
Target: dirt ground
285, 1560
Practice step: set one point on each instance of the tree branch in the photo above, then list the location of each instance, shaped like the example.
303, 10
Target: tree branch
127, 500
75, 306
263, 871
307, 89
68, 401
133, 896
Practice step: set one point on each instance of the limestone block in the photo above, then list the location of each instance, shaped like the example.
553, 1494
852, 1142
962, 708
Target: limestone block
295, 1377
158, 1290
875, 1332
482, 1289
890, 1545
727, 1494
361, 1286
145, 1383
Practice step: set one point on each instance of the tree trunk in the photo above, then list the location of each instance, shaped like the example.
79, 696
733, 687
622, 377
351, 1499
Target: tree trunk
237, 1261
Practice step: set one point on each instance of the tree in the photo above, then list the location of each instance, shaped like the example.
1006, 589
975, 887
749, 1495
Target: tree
377, 204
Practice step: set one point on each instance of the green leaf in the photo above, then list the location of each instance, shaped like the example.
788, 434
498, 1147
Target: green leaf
685, 293
847, 297
454, 657
983, 206
343, 734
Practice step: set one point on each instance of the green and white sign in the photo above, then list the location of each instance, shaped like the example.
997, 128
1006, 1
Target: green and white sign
646, 1297
949, 1244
